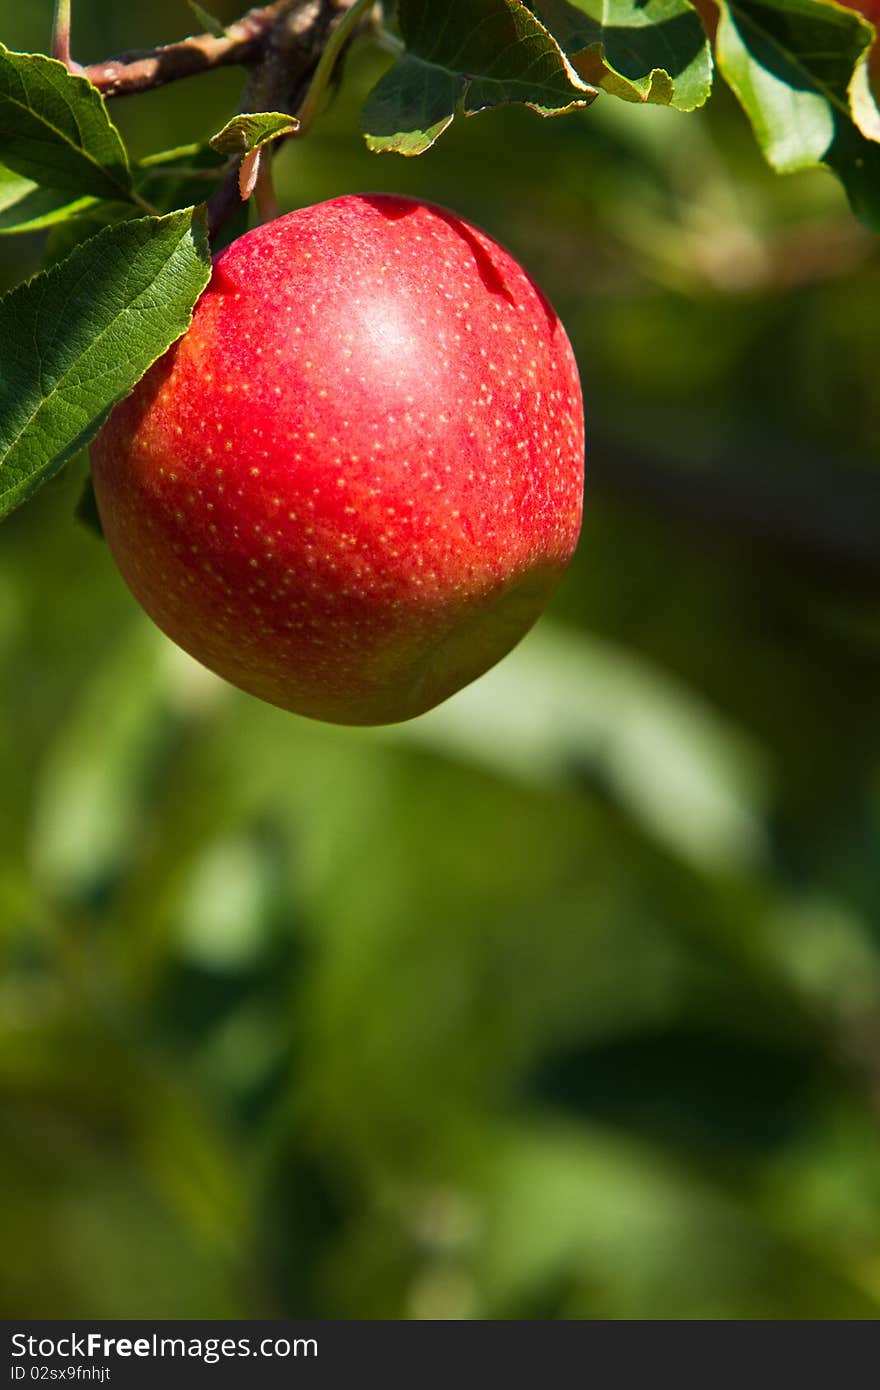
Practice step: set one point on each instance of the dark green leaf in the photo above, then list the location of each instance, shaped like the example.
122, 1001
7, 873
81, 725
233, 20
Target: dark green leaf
54, 129
169, 180
640, 50
466, 56
178, 178
791, 63
77, 338
251, 130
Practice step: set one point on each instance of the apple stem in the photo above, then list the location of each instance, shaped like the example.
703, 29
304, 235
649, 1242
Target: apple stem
327, 62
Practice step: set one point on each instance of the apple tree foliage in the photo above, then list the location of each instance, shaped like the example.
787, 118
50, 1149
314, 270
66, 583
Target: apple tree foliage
128, 249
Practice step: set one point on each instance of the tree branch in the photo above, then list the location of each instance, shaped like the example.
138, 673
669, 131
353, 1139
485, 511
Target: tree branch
280, 78
145, 69
280, 43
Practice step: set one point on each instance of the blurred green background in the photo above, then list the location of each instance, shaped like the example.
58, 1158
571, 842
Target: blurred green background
564, 1000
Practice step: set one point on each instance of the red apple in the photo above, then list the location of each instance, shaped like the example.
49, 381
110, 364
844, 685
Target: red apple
353, 484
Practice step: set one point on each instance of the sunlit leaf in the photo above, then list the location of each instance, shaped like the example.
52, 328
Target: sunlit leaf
252, 130
77, 338
54, 128
464, 57
655, 51
791, 63
26, 207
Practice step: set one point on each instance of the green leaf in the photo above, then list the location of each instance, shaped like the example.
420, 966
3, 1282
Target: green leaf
77, 338
207, 21
54, 129
252, 130
640, 50
791, 63
25, 207
863, 103
167, 181
466, 56
173, 179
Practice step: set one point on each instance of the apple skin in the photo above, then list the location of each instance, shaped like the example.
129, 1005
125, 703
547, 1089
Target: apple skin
353, 484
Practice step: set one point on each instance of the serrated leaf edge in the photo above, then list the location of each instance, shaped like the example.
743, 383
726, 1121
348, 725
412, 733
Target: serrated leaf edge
75, 77
196, 225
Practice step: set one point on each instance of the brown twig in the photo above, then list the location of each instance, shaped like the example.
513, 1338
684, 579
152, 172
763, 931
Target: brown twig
145, 69
281, 44
279, 81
